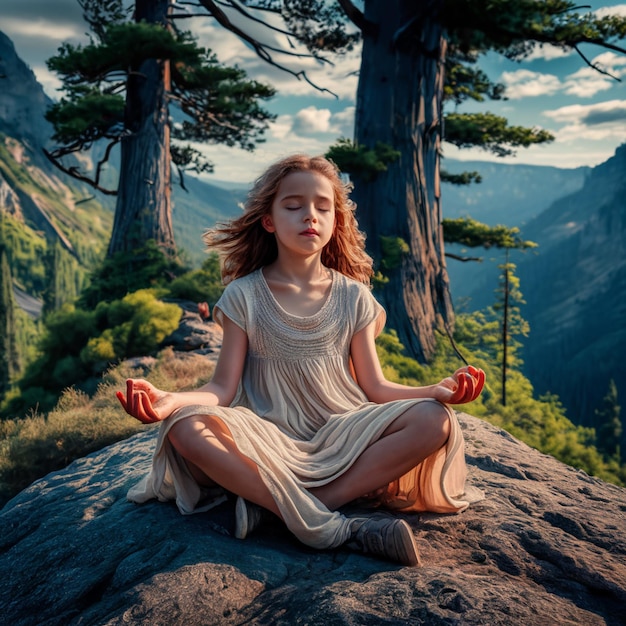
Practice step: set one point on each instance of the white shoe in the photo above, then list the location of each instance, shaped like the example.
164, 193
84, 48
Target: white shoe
248, 517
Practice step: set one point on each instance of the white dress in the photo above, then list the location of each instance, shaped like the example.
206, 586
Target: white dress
302, 418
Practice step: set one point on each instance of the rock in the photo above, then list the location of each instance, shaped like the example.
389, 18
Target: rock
194, 333
547, 546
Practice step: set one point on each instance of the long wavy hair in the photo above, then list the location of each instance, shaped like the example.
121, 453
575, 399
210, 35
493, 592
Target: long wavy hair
244, 245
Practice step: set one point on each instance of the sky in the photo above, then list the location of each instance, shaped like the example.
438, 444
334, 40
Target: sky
585, 110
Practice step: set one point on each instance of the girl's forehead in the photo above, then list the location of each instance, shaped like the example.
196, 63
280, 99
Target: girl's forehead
306, 182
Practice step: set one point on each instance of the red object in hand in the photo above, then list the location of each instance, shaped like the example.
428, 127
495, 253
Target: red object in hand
137, 403
470, 384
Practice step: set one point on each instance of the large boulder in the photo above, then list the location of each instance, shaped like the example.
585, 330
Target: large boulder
547, 546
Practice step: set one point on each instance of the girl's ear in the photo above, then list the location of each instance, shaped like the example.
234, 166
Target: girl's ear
267, 223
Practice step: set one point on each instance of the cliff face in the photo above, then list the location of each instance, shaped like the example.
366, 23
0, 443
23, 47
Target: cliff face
22, 99
547, 546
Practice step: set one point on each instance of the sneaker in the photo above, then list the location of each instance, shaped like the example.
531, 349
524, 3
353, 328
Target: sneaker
248, 517
384, 536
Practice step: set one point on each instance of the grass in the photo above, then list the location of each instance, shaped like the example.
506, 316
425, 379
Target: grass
33, 446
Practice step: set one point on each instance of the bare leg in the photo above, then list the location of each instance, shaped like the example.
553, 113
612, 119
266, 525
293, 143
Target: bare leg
208, 447
212, 455
409, 439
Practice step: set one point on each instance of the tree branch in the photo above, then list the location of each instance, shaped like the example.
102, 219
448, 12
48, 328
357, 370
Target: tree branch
357, 17
463, 259
594, 66
262, 49
75, 173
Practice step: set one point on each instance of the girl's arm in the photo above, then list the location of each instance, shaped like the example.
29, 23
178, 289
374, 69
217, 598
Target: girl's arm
463, 386
149, 404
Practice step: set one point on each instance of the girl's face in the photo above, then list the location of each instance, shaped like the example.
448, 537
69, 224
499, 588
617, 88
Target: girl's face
302, 216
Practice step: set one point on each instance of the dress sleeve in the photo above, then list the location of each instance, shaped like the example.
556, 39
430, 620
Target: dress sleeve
231, 304
368, 310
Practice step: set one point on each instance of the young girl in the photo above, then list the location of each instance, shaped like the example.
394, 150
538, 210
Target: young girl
299, 418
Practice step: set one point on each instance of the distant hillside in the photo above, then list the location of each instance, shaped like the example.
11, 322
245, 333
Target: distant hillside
509, 194
199, 208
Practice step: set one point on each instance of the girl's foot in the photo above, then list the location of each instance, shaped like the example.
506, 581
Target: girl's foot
384, 536
248, 517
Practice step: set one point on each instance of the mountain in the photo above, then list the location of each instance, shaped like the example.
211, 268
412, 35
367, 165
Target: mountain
509, 194
40, 208
198, 208
575, 288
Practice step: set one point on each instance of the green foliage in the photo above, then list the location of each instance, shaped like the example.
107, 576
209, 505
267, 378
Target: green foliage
124, 272
609, 429
464, 178
9, 355
367, 162
464, 82
471, 233
203, 285
491, 132
88, 116
78, 345
392, 251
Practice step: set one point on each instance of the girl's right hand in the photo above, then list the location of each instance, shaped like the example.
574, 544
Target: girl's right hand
145, 402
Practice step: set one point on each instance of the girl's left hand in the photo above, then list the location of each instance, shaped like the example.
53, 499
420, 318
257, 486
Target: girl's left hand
463, 386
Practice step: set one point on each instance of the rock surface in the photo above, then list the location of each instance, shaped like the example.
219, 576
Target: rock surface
547, 546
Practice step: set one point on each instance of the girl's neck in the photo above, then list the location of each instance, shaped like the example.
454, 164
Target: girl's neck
300, 273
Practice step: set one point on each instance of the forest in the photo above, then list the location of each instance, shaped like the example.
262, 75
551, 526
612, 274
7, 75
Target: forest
103, 247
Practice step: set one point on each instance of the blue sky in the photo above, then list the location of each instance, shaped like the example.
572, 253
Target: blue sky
584, 109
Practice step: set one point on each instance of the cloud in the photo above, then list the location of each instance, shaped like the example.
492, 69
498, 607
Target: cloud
586, 82
40, 28
282, 126
312, 120
618, 9
525, 84
548, 52
343, 122
593, 122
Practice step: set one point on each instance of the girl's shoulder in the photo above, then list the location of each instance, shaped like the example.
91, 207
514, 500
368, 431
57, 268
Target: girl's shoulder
353, 287
243, 283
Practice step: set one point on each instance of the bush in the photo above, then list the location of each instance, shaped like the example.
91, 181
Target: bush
203, 285
78, 345
126, 272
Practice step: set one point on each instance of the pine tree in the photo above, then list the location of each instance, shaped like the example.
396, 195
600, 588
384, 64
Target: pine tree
9, 357
513, 324
416, 57
119, 90
609, 424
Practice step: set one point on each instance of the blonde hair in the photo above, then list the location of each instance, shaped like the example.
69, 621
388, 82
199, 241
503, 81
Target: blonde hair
244, 245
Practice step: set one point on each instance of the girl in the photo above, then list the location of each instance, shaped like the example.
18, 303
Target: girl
299, 418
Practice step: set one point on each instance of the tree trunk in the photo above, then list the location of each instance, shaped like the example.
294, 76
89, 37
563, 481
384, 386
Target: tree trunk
399, 103
144, 209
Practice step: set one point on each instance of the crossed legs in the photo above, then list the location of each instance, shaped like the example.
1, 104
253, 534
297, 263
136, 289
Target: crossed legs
207, 445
